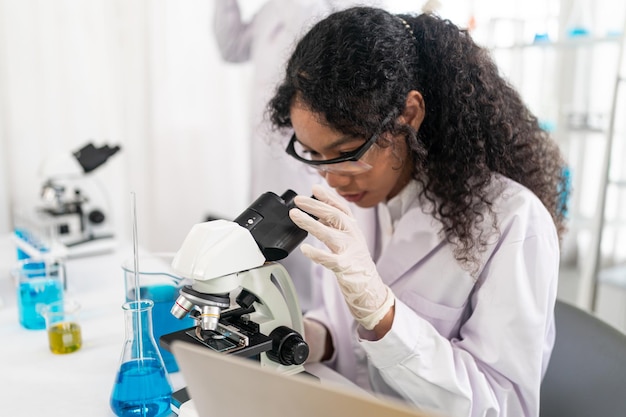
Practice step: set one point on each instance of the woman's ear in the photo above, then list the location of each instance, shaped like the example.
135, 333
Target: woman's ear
414, 110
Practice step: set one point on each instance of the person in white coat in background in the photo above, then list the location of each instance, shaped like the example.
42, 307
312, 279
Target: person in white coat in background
266, 40
438, 249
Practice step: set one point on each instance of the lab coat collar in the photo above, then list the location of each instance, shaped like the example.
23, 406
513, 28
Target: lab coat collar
416, 235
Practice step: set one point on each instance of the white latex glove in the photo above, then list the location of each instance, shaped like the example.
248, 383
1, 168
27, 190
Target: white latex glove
368, 298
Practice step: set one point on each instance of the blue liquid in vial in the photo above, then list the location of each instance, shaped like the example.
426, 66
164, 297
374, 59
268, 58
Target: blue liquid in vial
141, 389
163, 322
36, 291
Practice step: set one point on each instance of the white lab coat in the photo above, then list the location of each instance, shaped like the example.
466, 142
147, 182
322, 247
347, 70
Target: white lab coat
460, 347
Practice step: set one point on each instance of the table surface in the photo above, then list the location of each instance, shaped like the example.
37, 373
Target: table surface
34, 380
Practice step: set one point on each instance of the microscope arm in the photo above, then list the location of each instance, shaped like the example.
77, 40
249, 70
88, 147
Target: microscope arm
278, 299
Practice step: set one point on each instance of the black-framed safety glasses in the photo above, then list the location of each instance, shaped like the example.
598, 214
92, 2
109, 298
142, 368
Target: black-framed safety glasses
350, 163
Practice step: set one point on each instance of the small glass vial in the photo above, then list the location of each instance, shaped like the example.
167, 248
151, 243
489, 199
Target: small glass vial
142, 387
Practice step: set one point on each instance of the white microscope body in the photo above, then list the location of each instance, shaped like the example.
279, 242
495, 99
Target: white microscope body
221, 257
72, 217
244, 302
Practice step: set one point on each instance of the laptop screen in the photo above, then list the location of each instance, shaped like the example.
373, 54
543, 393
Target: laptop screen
227, 384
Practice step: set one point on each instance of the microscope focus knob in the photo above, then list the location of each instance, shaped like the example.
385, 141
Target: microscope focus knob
96, 216
288, 347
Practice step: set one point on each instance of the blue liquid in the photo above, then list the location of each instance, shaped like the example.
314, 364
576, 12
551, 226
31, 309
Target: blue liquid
577, 31
163, 322
36, 291
21, 234
141, 389
34, 269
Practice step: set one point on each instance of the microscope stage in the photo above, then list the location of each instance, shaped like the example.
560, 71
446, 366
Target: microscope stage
258, 343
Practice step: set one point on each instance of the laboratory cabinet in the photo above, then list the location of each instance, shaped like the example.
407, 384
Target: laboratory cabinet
576, 87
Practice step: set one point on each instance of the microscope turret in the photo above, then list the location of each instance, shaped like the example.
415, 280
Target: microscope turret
244, 302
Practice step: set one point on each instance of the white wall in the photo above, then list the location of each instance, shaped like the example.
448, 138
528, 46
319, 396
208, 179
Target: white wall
142, 74
5, 220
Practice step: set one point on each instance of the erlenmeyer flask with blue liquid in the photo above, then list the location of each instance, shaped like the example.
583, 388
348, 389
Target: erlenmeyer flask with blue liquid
156, 281
142, 387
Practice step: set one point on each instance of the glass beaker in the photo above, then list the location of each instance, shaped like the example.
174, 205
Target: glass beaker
159, 283
64, 332
142, 387
39, 282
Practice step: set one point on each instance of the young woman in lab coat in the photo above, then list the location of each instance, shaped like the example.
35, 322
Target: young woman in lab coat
439, 246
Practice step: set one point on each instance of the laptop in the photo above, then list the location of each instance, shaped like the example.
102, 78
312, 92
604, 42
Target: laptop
228, 384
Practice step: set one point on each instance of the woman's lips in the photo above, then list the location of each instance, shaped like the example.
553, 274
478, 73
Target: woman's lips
353, 198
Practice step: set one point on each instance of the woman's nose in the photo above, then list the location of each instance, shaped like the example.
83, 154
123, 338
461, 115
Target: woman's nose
335, 180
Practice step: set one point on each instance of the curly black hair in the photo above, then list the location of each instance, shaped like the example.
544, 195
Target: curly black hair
356, 67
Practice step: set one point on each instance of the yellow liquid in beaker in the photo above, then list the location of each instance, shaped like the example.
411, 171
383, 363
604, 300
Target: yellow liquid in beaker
65, 338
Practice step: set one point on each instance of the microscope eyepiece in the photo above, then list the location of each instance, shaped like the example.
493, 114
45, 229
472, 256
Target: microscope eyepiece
288, 197
269, 223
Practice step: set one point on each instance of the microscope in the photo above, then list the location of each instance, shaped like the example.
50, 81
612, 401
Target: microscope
72, 216
74, 205
243, 301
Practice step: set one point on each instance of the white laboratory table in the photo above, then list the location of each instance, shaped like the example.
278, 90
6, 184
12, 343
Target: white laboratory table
36, 382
